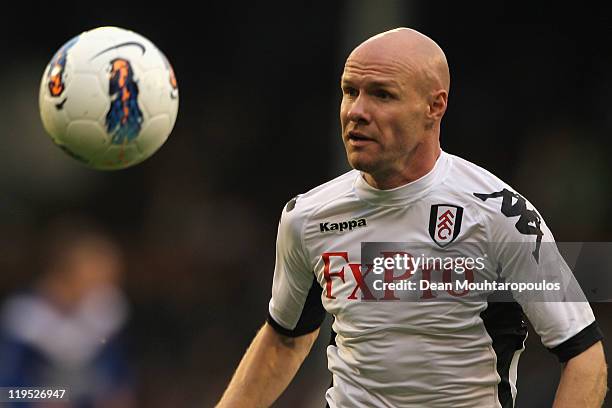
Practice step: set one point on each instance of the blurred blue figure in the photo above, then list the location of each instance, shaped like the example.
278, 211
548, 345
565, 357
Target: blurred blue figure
65, 332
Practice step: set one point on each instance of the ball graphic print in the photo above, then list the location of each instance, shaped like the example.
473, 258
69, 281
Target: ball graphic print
109, 98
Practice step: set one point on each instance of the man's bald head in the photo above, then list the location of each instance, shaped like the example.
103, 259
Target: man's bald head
411, 52
394, 95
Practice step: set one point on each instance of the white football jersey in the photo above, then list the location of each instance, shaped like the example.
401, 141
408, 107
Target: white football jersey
405, 348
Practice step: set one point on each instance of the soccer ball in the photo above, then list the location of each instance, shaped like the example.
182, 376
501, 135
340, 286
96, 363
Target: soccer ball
109, 98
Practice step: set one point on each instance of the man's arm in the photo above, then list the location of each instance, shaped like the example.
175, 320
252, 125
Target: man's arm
583, 380
267, 368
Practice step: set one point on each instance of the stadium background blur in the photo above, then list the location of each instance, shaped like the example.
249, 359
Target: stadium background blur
258, 124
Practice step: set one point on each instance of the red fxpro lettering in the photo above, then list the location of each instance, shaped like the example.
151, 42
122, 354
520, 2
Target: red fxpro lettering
359, 279
329, 274
389, 277
447, 276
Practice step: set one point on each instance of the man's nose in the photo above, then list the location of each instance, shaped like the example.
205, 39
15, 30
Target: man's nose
358, 111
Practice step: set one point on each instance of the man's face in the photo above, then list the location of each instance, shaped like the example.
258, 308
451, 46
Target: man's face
382, 112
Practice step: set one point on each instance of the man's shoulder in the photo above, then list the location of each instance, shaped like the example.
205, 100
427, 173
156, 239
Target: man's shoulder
306, 203
469, 176
476, 186
495, 200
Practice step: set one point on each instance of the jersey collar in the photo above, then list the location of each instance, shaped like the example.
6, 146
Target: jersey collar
408, 192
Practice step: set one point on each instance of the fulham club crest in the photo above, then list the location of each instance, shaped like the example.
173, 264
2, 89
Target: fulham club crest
445, 223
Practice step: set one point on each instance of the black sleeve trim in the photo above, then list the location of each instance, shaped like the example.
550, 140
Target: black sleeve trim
577, 344
311, 318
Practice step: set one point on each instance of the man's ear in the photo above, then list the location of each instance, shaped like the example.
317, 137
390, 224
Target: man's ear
438, 101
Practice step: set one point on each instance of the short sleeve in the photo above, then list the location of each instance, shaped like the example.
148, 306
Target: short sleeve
295, 307
525, 251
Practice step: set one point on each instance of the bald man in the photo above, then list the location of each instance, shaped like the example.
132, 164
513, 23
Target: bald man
392, 346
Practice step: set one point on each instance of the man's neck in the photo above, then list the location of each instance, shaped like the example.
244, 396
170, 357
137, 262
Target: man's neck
422, 161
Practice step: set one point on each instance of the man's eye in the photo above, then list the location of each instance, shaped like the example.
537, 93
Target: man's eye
382, 94
350, 92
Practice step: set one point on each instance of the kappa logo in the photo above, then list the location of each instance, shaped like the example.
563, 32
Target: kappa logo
514, 205
445, 223
343, 225
291, 204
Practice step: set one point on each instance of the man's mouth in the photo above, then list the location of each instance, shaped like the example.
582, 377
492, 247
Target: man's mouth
358, 139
